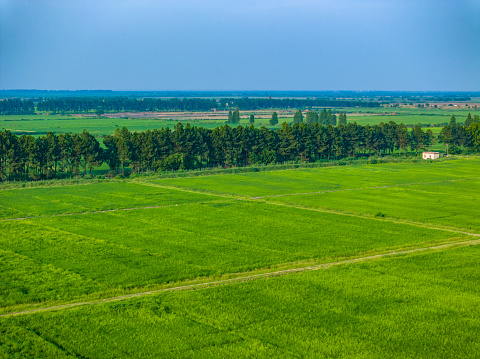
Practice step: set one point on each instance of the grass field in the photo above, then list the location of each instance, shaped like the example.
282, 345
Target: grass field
40, 124
101, 196
330, 178
85, 242
448, 203
408, 116
128, 249
421, 306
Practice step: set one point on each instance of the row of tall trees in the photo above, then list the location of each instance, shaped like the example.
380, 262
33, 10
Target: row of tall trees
122, 104
324, 118
245, 104
186, 147
16, 107
234, 117
26, 157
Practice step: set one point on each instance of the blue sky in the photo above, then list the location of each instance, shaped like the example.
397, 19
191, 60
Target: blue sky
422, 45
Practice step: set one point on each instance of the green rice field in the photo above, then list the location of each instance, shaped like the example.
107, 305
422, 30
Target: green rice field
94, 241
42, 123
419, 306
452, 203
106, 195
330, 178
408, 116
128, 249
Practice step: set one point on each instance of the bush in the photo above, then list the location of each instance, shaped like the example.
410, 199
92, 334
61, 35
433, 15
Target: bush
111, 174
454, 151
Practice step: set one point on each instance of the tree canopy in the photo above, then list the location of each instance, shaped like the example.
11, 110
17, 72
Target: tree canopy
274, 119
26, 157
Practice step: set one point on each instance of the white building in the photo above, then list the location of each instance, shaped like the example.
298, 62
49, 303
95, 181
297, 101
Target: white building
430, 155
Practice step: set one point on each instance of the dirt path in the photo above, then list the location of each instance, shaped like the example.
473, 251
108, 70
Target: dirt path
247, 277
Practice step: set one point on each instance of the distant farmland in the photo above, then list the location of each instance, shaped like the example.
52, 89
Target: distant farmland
99, 126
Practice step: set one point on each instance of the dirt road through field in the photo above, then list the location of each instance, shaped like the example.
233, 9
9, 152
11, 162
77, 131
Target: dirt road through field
245, 278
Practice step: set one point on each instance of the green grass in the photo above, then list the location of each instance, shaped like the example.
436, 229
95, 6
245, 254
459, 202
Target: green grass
422, 305
330, 178
85, 197
144, 248
452, 204
419, 306
40, 124
200, 235
407, 119
408, 116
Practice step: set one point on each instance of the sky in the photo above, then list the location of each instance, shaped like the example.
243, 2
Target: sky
390, 45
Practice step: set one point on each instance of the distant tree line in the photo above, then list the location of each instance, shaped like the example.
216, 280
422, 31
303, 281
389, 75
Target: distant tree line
25, 157
16, 107
323, 118
447, 99
124, 104
246, 104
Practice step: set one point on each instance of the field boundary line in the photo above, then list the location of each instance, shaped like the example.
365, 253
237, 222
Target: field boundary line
241, 279
392, 220
365, 188
189, 190
52, 186
109, 210
382, 219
